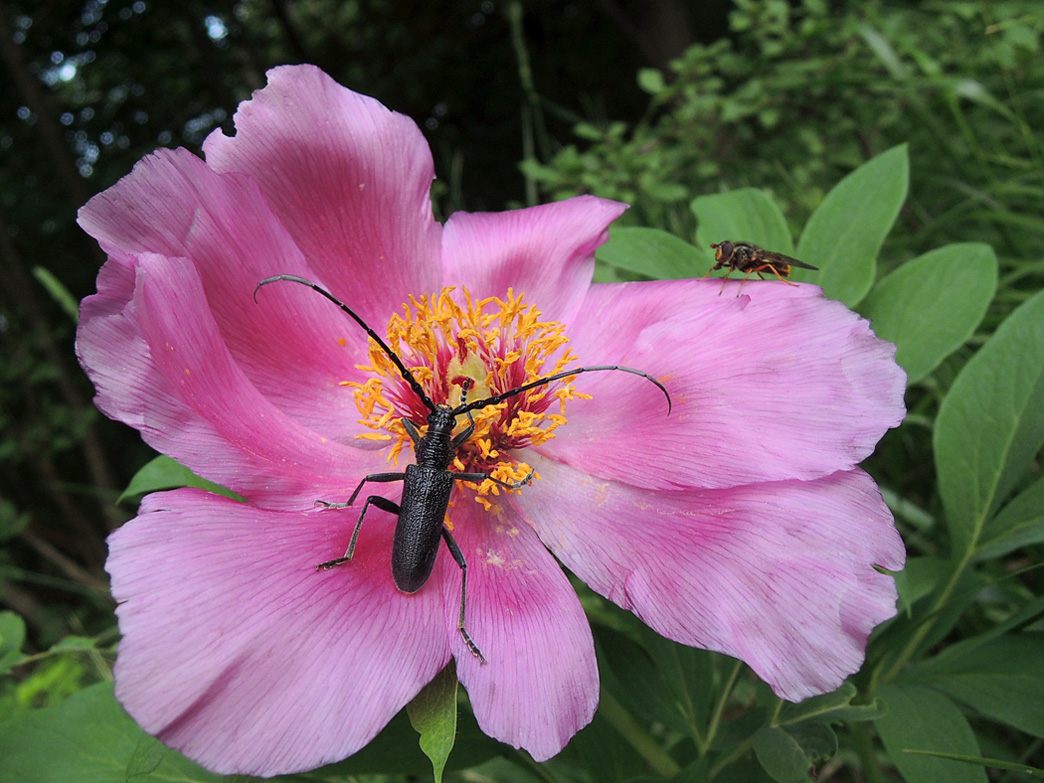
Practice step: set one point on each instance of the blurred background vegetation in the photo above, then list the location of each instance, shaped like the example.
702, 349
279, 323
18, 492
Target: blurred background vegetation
652, 102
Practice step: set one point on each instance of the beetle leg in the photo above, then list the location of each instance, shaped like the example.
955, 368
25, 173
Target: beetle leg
458, 557
507, 484
411, 430
378, 477
465, 433
382, 503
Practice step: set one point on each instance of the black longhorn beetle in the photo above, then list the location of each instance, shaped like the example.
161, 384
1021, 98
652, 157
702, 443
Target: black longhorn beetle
427, 485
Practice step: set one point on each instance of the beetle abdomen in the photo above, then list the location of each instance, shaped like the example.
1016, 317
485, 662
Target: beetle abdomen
426, 492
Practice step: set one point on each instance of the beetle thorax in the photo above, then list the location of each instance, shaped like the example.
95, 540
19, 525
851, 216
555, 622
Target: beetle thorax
435, 448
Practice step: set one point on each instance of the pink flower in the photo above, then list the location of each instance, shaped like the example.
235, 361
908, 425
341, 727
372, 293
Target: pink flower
739, 523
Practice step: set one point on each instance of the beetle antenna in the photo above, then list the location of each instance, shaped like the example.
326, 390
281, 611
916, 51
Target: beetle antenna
406, 374
471, 406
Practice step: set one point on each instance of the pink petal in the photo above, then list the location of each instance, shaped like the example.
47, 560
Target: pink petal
238, 653
780, 384
546, 252
158, 361
539, 685
348, 178
779, 575
287, 341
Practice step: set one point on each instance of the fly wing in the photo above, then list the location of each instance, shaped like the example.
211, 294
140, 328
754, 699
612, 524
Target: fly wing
802, 264
778, 259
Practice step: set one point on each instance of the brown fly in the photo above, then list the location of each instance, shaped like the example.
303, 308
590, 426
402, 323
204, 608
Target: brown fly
751, 259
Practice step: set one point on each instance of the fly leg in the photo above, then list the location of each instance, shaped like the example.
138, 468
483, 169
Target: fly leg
744, 280
725, 279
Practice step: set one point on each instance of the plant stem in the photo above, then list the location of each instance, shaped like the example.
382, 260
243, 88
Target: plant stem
534, 130
914, 643
864, 747
715, 720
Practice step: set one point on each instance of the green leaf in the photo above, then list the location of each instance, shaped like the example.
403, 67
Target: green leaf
743, 215
690, 675
147, 757
1028, 612
603, 273
164, 473
433, 713
970, 585
923, 720
830, 707
881, 47
1003, 678
12, 637
991, 424
651, 81
602, 756
12, 521
654, 253
920, 577
1019, 524
655, 679
74, 644
931, 305
630, 675
59, 293
788, 754
984, 762
781, 756
745, 769
845, 234
395, 751
87, 738
586, 130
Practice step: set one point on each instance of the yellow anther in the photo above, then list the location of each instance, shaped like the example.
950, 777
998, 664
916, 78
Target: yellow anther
473, 350
510, 359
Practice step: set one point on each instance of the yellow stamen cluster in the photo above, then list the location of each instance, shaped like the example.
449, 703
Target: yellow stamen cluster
489, 346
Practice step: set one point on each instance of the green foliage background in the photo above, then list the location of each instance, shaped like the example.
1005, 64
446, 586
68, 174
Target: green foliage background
898, 146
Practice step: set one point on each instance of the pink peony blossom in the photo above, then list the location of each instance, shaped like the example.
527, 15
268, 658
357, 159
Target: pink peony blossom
739, 524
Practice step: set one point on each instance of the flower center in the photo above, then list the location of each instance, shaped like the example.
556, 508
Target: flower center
480, 349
